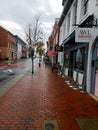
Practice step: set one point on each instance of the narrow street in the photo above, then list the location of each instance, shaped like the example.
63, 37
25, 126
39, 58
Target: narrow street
43, 101
20, 67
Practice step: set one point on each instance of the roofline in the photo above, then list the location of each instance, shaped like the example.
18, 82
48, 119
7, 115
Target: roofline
65, 10
7, 31
17, 37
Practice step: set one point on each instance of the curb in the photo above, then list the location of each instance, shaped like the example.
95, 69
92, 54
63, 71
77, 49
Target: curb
4, 88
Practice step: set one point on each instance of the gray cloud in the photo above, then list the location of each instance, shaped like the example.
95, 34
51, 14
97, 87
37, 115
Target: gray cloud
22, 12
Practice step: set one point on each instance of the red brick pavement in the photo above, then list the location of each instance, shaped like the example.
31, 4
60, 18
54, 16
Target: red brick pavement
45, 95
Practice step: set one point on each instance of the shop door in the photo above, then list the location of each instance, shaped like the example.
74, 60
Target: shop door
96, 74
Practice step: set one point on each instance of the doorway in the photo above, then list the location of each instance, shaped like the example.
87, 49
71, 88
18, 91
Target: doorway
95, 70
96, 73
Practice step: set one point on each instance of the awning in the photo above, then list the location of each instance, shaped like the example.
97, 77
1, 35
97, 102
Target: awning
72, 35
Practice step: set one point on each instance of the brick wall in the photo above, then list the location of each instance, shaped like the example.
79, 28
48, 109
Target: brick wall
7, 44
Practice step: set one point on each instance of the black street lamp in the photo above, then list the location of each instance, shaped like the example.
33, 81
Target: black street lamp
32, 55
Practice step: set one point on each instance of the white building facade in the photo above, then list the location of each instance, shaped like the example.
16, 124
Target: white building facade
21, 48
79, 38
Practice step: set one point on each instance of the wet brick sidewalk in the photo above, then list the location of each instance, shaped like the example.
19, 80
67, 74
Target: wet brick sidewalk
45, 95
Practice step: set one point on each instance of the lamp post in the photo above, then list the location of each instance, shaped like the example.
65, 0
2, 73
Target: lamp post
32, 55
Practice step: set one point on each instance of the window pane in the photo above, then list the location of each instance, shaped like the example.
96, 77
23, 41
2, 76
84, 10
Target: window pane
85, 6
79, 58
67, 60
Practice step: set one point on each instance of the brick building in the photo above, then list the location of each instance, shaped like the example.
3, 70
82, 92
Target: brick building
7, 45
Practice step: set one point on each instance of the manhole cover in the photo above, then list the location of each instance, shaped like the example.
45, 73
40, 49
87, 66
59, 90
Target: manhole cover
49, 126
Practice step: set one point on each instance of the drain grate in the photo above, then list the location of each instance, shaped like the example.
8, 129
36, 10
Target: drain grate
50, 125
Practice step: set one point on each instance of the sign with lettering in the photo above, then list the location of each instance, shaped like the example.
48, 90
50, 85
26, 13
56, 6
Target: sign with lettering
84, 34
58, 48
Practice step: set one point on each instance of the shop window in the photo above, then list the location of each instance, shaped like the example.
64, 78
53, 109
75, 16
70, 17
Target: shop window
61, 58
67, 60
79, 58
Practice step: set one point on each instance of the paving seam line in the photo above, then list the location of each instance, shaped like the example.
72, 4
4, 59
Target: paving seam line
4, 88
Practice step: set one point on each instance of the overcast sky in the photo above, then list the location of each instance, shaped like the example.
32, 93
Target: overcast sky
16, 14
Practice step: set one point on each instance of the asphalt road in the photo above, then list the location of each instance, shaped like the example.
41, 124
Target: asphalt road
20, 67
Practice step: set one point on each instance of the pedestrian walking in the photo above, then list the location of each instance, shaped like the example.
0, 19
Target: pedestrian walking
39, 61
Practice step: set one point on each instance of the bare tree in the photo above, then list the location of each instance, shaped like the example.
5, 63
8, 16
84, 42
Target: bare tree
28, 34
34, 32
37, 30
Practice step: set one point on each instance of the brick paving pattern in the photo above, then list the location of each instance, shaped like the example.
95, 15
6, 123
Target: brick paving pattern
45, 95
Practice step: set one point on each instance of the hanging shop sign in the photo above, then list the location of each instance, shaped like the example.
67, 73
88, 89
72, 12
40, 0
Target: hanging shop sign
84, 34
59, 48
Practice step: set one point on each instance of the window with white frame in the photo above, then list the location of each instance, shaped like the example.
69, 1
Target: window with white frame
68, 23
64, 30
85, 6
60, 36
74, 13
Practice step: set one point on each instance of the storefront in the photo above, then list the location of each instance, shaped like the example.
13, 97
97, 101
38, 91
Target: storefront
94, 70
81, 59
75, 60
